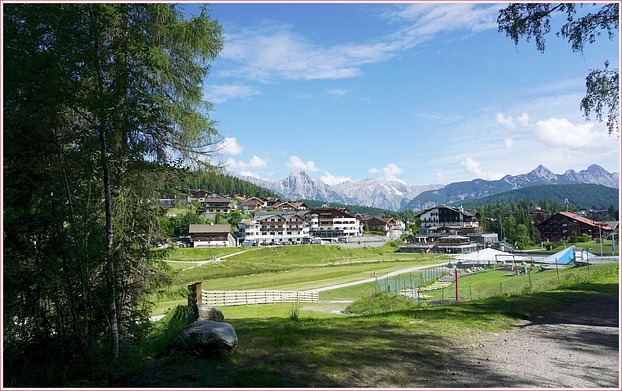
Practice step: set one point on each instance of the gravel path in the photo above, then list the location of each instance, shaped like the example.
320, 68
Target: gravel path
576, 348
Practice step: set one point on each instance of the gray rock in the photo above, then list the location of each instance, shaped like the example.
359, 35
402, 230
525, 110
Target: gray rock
206, 338
210, 313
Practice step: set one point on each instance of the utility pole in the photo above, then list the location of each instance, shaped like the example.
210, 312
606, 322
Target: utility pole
600, 234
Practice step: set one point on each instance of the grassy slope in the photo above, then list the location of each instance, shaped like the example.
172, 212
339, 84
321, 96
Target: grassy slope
390, 343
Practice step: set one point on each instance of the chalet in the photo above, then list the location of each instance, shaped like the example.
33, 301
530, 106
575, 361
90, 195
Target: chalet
563, 225
211, 235
380, 223
271, 201
197, 195
252, 204
449, 220
217, 205
290, 206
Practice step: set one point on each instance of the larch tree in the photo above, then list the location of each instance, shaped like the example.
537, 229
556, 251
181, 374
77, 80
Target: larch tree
98, 97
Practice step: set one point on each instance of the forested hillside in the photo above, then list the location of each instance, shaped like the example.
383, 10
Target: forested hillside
218, 182
582, 196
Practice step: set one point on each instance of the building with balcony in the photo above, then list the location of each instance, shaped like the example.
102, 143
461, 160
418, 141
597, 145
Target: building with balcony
275, 228
563, 225
449, 220
334, 223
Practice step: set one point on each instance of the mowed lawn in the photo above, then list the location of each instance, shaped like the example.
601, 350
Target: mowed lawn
292, 268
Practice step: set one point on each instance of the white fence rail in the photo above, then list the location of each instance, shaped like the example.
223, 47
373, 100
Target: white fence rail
230, 298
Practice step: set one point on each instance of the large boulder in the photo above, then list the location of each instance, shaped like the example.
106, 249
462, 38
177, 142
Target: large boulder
206, 338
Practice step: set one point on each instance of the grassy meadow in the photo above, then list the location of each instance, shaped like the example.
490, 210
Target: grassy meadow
279, 268
381, 341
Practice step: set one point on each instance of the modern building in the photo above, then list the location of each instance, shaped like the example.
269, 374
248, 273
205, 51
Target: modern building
449, 220
275, 228
334, 223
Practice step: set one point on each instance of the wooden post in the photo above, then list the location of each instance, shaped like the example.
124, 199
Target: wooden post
194, 298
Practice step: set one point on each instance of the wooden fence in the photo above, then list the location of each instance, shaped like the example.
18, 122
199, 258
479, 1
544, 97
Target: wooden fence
230, 298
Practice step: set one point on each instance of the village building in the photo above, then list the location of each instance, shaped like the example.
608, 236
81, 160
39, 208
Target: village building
214, 205
290, 206
252, 204
197, 195
333, 223
275, 228
211, 235
449, 220
380, 223
563, 225
451, 230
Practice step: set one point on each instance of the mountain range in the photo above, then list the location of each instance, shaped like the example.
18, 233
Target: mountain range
376, 193
479, 188
398, 196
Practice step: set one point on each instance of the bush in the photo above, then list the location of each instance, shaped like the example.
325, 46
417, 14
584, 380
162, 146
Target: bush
583, 238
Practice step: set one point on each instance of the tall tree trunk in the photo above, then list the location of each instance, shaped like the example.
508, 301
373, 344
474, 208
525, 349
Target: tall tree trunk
110, 272
113, 317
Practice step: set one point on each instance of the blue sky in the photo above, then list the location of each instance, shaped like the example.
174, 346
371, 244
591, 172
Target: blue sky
418, 92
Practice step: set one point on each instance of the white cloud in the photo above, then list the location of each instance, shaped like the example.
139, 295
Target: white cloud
509, 143
561, 133
222, 93
339, 91
250, 174
523, 120
331, 179
472, 167
273, 52
254, 162
389, 172
230, 146
507, 121
510, 122
434, 18
297, 163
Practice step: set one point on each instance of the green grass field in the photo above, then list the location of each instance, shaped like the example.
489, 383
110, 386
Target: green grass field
383, 341
281, 268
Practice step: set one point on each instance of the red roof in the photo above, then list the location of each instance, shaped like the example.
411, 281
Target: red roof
586, 220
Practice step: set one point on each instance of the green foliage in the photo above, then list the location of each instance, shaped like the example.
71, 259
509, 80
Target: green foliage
216, 181
100, 94
294, 313
165, 330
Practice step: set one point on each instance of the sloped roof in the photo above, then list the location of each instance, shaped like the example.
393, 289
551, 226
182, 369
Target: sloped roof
208, 228
586, 220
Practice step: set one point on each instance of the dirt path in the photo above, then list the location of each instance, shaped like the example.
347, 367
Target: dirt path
575, 348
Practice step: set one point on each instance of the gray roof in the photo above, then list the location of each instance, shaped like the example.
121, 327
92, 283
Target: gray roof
209, 228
